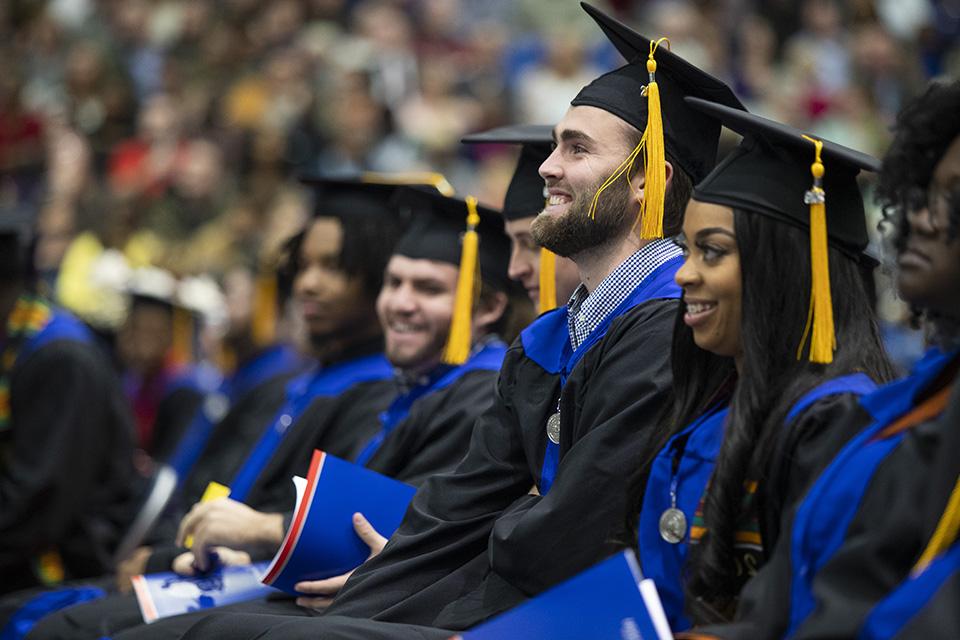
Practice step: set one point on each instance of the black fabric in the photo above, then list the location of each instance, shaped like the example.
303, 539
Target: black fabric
438, 225
689, 136
250, 626
525, 195
881, 545
473, 542
435, 436
769, 174
67, 480
175, 412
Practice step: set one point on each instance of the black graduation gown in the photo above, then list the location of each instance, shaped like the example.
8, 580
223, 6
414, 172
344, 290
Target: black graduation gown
228, 446
174, 414
67, 482
434, 436
469, 532
339, 424
880, 547
473, 542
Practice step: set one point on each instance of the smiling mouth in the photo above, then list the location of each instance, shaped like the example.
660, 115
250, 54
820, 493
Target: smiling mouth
404, 328
697, 312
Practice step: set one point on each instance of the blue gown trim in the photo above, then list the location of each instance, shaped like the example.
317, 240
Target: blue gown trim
301, 392
547, 342
699, 445
489, 358
833, 500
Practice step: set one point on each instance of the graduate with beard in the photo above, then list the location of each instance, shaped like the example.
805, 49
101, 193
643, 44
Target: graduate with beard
541, 488
870, 552
548, 279
67, 483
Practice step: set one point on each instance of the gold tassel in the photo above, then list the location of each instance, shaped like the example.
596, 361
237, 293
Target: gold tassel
819, 327
457, 349
548, 280
265, 309
655, 172
944, 535
182, 349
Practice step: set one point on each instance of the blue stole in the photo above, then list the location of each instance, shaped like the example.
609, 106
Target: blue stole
830, 505
547, 342
893, 613
62, 326
220, 394
301, 392
699, 445
489, 358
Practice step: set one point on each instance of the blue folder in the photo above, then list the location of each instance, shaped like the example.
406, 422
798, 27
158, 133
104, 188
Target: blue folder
609, 600
320, 542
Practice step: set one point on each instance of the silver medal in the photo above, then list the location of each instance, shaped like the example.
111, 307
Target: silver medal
673, 525
553, 428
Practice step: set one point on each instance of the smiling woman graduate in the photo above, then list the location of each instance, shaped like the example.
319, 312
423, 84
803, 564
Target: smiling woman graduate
762, 257
872, 550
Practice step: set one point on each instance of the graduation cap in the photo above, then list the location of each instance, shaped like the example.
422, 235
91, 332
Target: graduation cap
780, 172
526, 195
459, 232
367, 194
648, 93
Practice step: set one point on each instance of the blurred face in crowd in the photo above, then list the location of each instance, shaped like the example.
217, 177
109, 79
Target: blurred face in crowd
146, 337
710, 278
525, 263
590, 144
929, 265
333, 302
415, 307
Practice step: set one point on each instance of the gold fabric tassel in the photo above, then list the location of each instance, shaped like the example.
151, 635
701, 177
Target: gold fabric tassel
655, 171
548, 280
457, 349
819, 327
265, 308
944, 535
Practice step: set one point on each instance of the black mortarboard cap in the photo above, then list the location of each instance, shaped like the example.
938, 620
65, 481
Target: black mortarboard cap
525, 194
780, 172
438, 224
690, 136
366, 194
769, 173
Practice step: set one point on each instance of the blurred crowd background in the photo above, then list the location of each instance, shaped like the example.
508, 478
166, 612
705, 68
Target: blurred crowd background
172, 132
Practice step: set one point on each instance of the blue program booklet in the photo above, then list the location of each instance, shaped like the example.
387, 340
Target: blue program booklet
608, 600
168, 594
320, 542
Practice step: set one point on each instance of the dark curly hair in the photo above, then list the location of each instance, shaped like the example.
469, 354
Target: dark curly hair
924, 130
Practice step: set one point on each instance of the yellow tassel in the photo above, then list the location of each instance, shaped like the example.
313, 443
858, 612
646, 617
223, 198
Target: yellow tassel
819, 327
623, 170
655, 172
457, 349
265, 309
548, 280
945, 534
182, 349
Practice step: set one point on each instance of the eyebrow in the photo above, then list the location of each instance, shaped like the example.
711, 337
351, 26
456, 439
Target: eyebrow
572, 134
709, 231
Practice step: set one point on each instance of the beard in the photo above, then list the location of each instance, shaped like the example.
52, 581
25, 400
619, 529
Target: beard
574, 232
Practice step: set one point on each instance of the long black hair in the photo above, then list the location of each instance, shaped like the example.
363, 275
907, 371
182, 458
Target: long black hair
775, 275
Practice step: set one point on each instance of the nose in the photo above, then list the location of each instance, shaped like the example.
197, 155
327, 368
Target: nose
920, 222
401, 300
308, 282
519, 268
687, 275
550, 169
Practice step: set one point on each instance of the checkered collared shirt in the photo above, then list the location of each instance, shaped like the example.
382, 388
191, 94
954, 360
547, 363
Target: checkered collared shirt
585, 310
